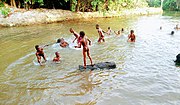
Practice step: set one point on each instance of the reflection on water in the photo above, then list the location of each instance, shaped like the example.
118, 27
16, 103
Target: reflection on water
145, 72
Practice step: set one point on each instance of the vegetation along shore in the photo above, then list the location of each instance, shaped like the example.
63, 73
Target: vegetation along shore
29, 12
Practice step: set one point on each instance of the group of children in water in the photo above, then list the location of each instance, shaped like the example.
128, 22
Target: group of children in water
172, 32
83, 41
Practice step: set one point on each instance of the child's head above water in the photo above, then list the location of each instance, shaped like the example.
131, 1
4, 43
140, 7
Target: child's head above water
172, 32
122, 29
132, 31
60, 40
57, 54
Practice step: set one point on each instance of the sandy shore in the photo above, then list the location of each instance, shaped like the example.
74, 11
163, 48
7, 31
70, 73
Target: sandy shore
39, 16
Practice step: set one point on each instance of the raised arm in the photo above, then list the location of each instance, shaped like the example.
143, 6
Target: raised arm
45, 45
48, 44
115, 33
76, 36
103, 31
74, 39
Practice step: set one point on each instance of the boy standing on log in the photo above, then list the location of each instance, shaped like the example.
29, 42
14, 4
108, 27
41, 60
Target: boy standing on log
84, 42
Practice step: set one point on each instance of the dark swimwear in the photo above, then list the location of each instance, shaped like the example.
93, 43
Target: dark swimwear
132, 39
41, 55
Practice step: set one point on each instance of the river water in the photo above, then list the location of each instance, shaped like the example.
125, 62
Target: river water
145, 73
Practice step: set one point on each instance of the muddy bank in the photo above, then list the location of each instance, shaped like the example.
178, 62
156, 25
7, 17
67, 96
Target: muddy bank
39, 16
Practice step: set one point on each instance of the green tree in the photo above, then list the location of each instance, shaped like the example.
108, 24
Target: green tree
169, 5
178, 4
96, 5
154, 3
4, 10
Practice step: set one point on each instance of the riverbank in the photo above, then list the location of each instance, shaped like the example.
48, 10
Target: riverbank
19, 17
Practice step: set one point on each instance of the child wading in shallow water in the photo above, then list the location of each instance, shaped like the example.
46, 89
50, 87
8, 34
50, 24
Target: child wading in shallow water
131, 37
84, 42
109, 31
39, 54
75, 34
177, 27
57, 58
101, 34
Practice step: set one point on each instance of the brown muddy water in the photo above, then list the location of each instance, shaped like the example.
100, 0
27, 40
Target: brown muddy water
145, 73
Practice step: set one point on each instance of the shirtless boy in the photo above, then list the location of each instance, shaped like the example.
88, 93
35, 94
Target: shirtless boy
39, 54
177, 27
101, 34
84, 42
75, 34
131, 36
57, 58
109, 31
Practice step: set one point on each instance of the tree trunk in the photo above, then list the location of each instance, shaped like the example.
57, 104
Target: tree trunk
13, 3
106, 5
97, 9
162, 4
77, 6
178, 3
19, 4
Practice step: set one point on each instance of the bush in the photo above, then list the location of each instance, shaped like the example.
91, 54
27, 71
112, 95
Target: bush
5, 11
1, 4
